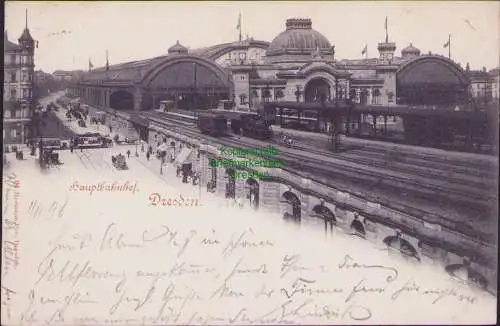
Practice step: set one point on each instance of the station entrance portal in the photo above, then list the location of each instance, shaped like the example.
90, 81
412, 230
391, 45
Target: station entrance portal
317, 91
122, 100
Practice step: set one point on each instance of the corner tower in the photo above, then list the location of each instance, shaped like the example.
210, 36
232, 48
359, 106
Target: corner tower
386, 49
27, 67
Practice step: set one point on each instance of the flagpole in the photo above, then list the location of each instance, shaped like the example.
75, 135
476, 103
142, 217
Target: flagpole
239, 24
386, 31
449, 46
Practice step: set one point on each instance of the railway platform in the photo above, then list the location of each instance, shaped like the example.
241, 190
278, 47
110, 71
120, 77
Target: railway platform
386, 146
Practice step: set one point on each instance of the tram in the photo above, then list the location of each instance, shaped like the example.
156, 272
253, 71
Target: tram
89, 140
49, 143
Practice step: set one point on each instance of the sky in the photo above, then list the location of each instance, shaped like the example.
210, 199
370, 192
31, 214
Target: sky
140, 30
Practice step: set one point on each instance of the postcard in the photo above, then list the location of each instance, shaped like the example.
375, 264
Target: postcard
250, 163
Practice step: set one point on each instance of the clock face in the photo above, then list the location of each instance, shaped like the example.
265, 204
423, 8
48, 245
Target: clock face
389, 56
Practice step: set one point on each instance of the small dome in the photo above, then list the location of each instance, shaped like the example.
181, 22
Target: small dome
299, 38
410, 50
177, 48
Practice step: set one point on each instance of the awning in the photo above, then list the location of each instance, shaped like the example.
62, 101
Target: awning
184, 156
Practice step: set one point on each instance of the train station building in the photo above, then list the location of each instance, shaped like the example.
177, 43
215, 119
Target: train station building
298, 65
297, 69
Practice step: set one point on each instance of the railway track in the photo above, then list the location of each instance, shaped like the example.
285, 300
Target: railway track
416, 169
439, 163
436, 181
332, 171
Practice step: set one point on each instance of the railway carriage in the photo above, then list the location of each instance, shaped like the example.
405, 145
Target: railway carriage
212, 124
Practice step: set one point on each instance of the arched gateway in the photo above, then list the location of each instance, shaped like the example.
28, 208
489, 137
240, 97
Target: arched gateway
324, 213
121, 100
431, 80
253, 192
294, 203
317, 90
192, 82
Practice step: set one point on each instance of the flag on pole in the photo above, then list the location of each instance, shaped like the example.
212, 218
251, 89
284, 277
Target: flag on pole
448, 45
365, 49
238, 27
239, 22
386, 31
90, 65
107, 61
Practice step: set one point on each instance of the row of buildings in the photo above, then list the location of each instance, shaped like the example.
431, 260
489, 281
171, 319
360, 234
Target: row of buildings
299, 65
19, 79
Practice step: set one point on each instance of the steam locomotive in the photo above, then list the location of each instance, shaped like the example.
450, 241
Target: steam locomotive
249, 124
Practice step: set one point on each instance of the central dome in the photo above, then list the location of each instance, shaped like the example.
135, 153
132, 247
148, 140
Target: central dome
299, 38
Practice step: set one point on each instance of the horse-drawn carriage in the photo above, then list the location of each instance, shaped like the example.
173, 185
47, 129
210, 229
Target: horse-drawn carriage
119, 162
50, 158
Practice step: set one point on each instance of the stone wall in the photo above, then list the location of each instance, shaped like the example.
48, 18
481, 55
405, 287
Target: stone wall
379, 221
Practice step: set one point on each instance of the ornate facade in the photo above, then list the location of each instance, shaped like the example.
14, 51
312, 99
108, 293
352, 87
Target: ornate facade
19, 77
298, 65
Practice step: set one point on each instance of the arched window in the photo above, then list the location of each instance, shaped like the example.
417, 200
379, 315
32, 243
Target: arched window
243, 99
363, 96
266, 95
13, 94
376, 96
279, 94
352, 94
390, 97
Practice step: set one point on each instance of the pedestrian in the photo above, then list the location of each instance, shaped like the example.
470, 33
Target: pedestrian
142, 147
128, 153
148, 155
